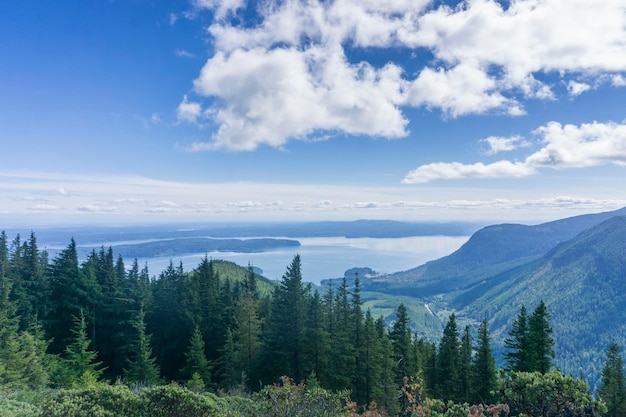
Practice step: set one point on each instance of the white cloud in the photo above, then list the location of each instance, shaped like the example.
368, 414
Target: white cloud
456, 170
44, 207
575, 88
287, 76
222, 8
183, 54
118, 200
188, 111
590, 144
618, 80
499, 144
565, 146
269, 96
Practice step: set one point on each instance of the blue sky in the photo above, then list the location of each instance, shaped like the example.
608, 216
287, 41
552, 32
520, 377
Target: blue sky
141, 111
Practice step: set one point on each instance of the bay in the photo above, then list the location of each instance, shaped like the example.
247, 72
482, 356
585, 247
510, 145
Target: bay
330, 257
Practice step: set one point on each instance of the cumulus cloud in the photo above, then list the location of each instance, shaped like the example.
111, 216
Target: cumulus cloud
188, 111
288, 73
456, 170
564, 146
575, 88
501, 144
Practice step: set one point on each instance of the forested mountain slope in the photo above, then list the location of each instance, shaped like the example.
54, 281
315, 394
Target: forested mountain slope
583, 281
490, 251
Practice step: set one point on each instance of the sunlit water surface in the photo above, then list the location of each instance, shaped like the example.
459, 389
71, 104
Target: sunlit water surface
330, 257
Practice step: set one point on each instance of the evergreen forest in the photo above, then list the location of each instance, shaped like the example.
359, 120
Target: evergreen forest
99, 337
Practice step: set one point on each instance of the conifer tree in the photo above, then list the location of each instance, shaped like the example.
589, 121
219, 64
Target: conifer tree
284, 345
540, 342
465, 361
343, 352
247, 332
400, 335
79, 365
142, 368
448, 362
612, 386
73, 293
317, 340
483, 367
197, 363
517, 344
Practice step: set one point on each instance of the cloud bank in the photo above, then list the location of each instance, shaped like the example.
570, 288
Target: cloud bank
295, 69
564, 146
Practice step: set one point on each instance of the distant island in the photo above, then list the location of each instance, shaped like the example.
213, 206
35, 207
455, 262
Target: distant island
175, 247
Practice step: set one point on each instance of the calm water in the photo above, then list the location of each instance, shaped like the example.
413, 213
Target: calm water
330, 257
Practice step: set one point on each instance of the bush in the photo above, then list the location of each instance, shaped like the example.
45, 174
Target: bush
95, 401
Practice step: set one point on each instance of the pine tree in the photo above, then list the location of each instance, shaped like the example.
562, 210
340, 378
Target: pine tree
197, 363
540, 342
317, 340
79, 365
483, 368
247, 332
400, 335
448, 362
465, 361
517, 344
284, 345
343, 352
142, 368
612, 386
73, 293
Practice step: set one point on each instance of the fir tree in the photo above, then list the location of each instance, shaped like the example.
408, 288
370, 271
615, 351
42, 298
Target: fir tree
197, 363
517, 345
400, 335
284, 346
448, 361
142, 368
247, 333
465, 361
483, 368
612, 386
540, 342
79, 365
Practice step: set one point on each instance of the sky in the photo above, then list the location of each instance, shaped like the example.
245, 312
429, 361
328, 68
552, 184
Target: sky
153, 111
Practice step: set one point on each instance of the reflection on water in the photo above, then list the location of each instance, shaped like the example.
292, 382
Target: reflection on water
330, 257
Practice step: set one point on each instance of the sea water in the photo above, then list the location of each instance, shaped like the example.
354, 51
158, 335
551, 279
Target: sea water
330, 257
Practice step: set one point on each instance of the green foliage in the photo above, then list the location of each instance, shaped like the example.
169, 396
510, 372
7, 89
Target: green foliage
197, 368
14, 408
612, 387
79, 367
483, 369
143, 368
98, 400
290, 400
552, 394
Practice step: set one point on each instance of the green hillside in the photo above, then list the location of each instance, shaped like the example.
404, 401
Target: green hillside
490, 251
583, 281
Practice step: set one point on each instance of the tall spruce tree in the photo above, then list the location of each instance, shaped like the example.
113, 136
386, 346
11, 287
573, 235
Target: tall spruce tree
448, 362
400, 335
465, 364
247, 333
483, 368
540, 342
284, 342
73, 293
79, 365
142, 366
197, 365
517, 345
612, 386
